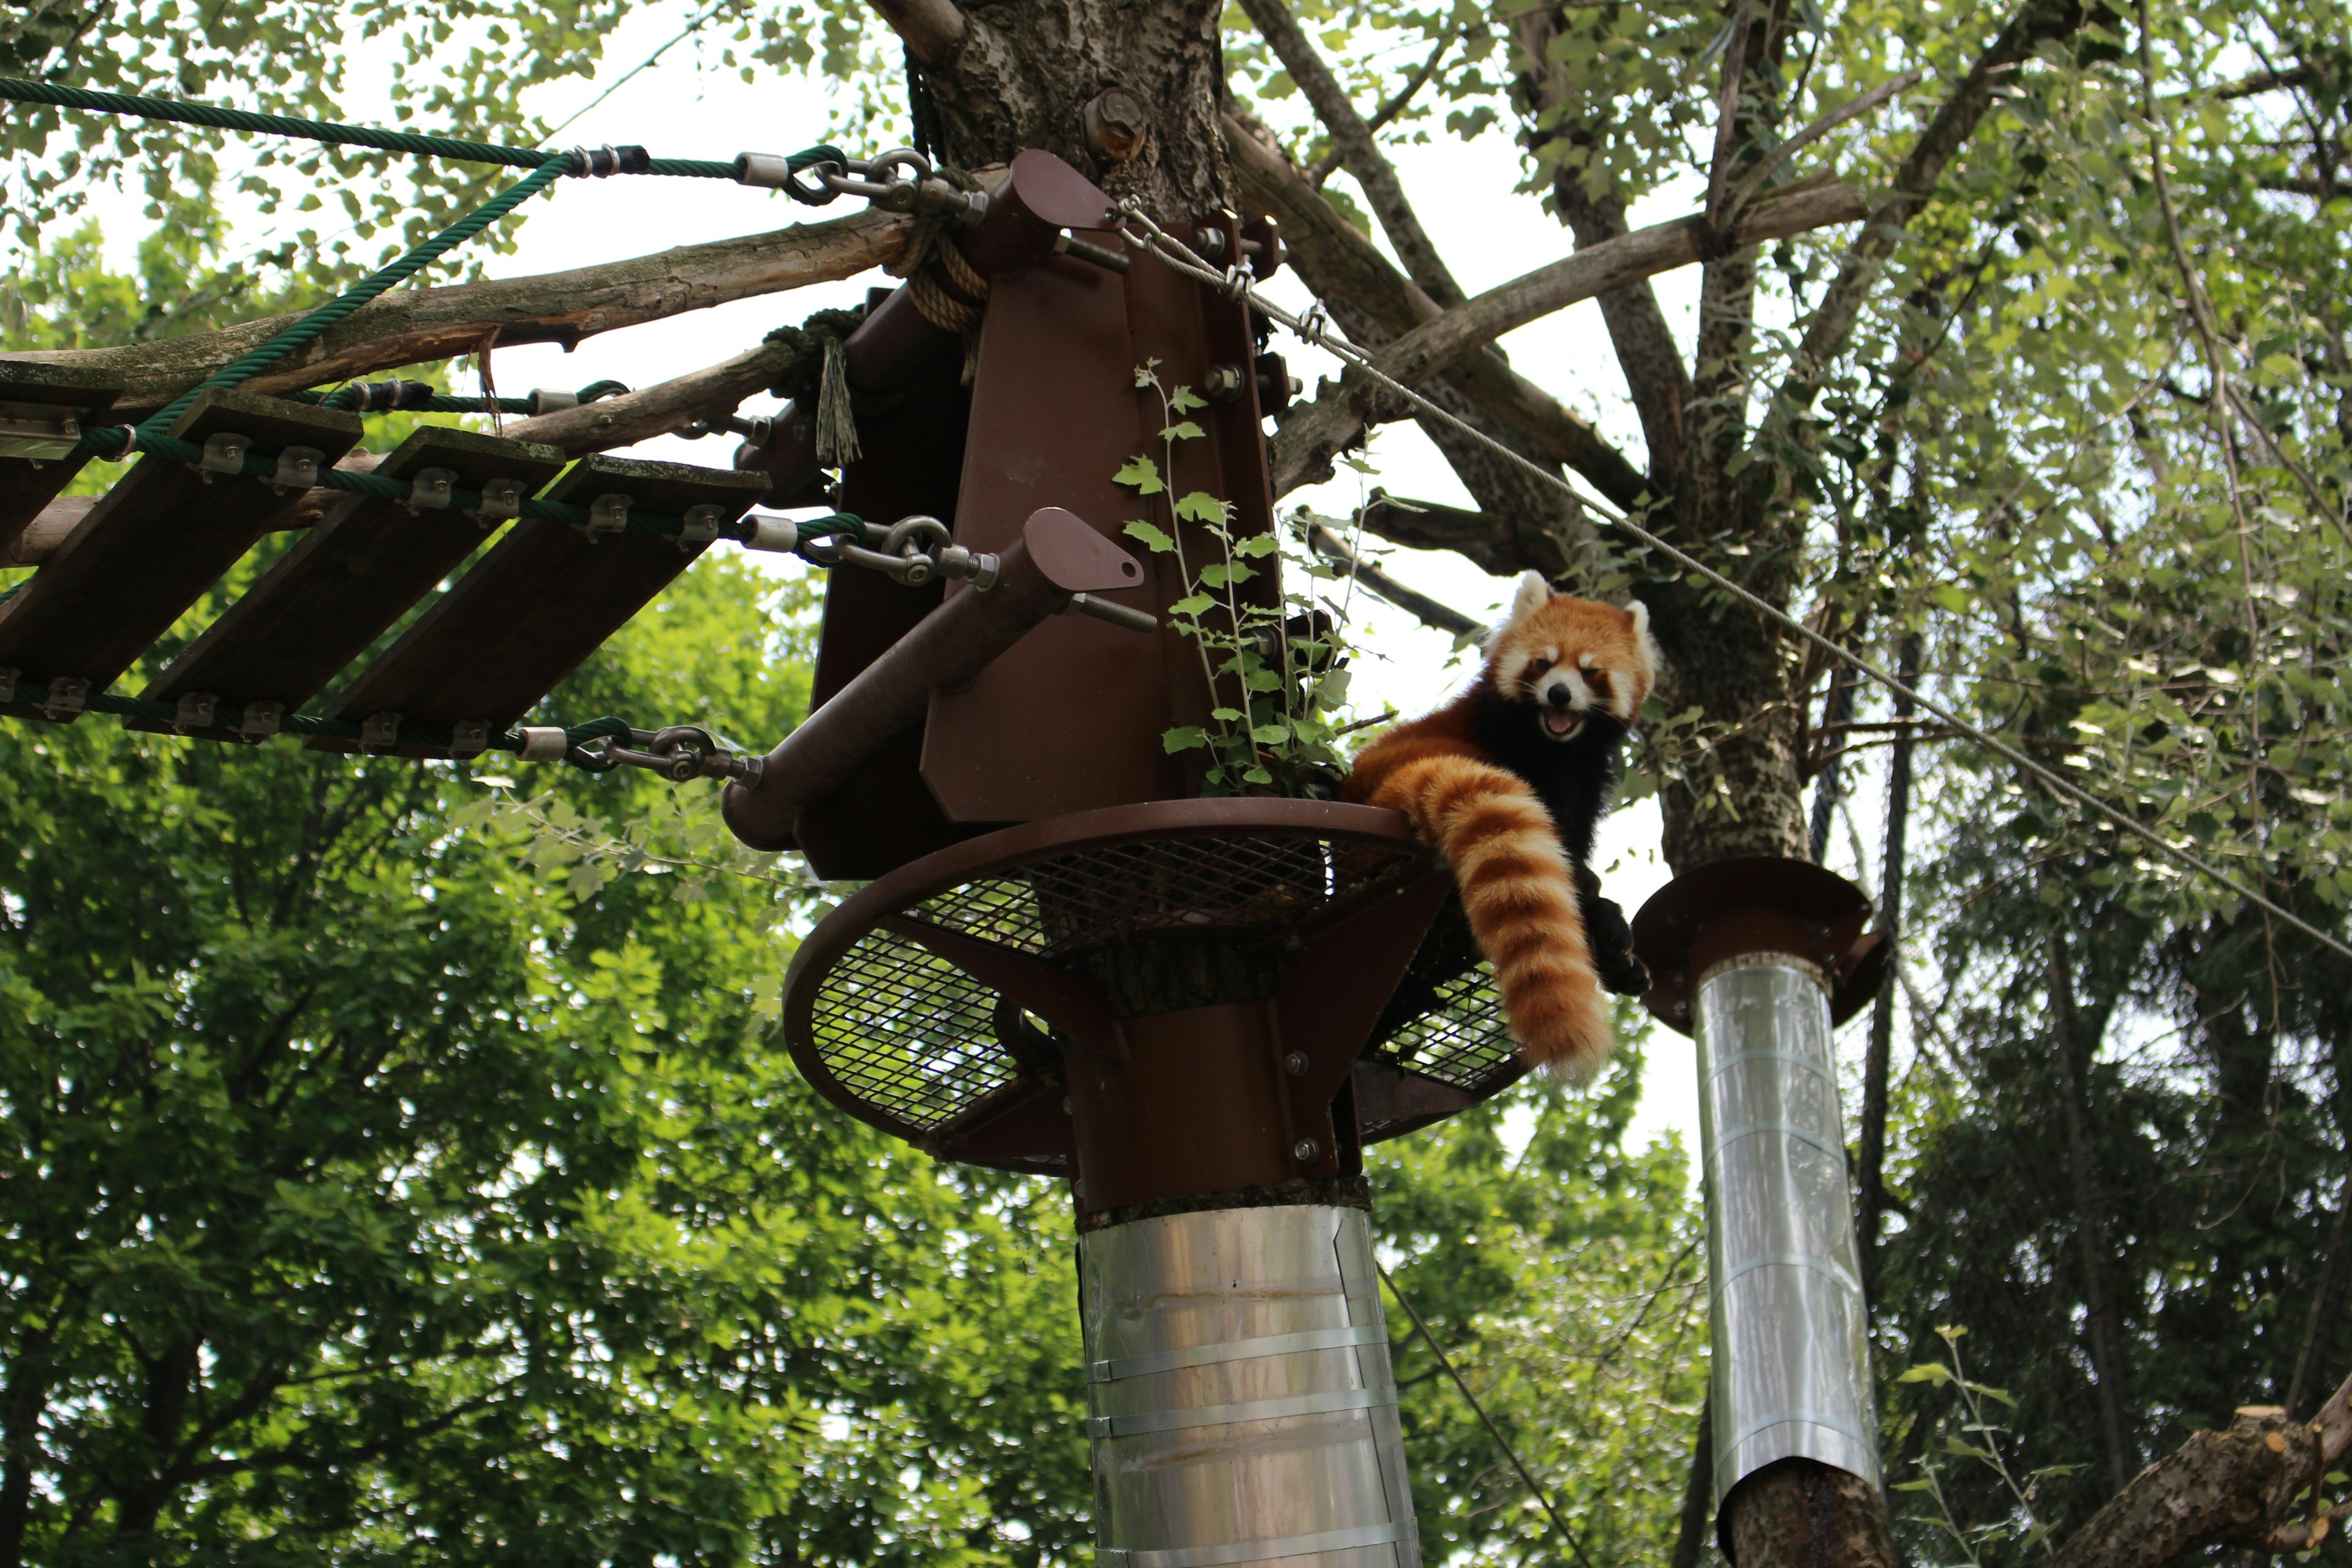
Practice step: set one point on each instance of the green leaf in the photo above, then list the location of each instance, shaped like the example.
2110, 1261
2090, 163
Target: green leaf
1190, 605
1199, 506
1257, 544
1990, 1393
1225, 715
1184, 430
1185, 399
1257, 775
1933, 1372
1184, 737
1158, 541
1269, 734
1141, 473
1222, 576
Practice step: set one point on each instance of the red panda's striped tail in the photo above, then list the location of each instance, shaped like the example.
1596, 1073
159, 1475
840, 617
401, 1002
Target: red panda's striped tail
1519, 893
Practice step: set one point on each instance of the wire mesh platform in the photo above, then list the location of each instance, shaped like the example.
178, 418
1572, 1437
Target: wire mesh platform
901, 1006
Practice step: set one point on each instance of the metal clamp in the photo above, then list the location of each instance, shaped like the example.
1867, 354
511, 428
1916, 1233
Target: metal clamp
608, 513
921, 192
379, 729
38, 431
68, 695
502, 502
224, 454
298, 468
432, 487
780, 535
467, 736
543, 743
547, 400
8, 677
770, 171
260, 719
699, 526
195, 711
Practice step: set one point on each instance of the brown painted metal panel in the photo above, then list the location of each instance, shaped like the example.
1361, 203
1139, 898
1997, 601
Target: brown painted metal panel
1070, 719
358, 571
538, 604
29, 484
155, 542
883, 817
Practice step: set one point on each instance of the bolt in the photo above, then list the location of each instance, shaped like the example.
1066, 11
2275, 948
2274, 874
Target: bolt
1223, 383
1305, 1151
1117, 123
1294, 1064
1068, 1109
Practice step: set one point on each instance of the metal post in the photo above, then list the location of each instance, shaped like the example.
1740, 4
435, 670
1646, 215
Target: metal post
1791, 1368
1240, 1400
1758, 959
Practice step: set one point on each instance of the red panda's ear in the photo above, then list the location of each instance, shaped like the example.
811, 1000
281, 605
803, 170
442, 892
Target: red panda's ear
1534, 594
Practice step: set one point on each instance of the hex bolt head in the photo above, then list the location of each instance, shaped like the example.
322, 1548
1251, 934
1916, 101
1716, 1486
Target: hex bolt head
1294, 1064
1306, 1151
1116, 123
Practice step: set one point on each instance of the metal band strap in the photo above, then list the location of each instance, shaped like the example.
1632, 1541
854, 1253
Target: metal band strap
1807, 1063
1781, 1416
1237, 1350
1801, 1135
1259, 1550
1813, 1262
1249, 1410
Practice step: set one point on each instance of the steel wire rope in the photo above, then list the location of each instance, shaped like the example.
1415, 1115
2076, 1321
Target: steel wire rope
1236, 285
1492, 1431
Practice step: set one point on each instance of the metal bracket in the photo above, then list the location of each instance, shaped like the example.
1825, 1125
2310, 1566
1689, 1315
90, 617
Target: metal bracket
261, 720
67, 696
224, 454
8, 675
379, 729
195, 711
298, 468
467, 736
608, 514
431, 488
40, 431
700, 526
502, 502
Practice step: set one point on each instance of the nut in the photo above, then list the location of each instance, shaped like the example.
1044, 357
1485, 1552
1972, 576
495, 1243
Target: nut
1305, 1151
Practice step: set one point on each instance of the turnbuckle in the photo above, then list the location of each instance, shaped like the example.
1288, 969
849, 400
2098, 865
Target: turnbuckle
677, 752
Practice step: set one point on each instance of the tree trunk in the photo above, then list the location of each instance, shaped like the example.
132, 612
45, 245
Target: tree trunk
1128, 91
1872, 1178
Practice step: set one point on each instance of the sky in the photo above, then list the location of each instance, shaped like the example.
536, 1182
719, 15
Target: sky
1464, 192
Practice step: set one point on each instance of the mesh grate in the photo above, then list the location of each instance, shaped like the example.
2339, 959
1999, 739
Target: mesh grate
913, 1036
1462, 1039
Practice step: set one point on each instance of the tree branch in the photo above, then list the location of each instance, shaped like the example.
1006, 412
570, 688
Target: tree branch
1311, 436
2238, 1488
933, 30
657, 410
1338, 263
1915, 181
411, 328
1360, 155
1412, 602
1322, 168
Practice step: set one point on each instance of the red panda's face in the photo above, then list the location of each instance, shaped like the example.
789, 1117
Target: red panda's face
1572, 658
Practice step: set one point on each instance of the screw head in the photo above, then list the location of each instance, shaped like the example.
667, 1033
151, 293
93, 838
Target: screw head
1294, 1064
1305, 1151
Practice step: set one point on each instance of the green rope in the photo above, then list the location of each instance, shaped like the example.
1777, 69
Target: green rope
314, 325
34, 694
630, 162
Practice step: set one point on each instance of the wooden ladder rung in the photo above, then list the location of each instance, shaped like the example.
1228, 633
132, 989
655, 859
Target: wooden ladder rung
154, 542
32, 468
360, 570
542, 600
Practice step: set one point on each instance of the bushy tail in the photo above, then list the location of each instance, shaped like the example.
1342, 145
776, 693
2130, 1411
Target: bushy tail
1519, 893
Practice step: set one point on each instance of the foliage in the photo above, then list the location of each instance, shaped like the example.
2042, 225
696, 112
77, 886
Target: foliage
1274, 659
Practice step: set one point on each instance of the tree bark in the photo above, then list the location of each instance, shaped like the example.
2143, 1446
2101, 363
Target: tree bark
652, 411
2245, 1487
2090, 1212
1872, 1177
405, 328
1698, 1493
1807, 1514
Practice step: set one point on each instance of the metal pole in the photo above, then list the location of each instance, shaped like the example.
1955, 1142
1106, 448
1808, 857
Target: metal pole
1240, 1400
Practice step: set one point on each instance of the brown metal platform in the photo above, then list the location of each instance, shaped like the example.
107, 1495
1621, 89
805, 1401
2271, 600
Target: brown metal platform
32, 469
916, 1006
155, 542
542, 600
357, 572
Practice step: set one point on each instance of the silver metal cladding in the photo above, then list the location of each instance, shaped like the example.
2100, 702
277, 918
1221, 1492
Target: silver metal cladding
1241, 1406
1792, 1369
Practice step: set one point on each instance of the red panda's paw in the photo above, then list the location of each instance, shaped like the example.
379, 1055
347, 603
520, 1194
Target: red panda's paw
1563, 1028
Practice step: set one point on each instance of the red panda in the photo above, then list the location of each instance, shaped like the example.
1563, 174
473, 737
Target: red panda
1508, 782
